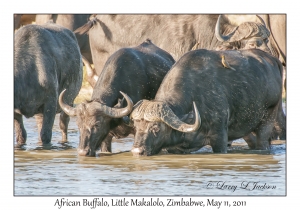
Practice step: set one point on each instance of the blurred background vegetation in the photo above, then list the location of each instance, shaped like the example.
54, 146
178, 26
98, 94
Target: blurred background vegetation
85, 91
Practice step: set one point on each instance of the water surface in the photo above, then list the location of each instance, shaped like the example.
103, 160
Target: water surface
59, 171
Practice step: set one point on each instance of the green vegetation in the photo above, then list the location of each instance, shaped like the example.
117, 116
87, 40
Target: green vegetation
86, 90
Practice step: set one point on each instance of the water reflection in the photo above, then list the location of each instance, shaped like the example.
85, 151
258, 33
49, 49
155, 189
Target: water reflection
58, 170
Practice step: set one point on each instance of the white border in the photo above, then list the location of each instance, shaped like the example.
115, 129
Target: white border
8, 201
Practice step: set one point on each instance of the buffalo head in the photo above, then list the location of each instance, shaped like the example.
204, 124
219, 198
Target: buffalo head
247, 35
153, 122
93, 120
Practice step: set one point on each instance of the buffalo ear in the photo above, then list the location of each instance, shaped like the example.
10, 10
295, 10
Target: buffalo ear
188, 118
119, 104
127, 121
122, 103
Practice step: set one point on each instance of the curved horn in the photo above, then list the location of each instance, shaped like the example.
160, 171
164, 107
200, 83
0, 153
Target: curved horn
261, 20
92, 77
65, 107
243, 31
117, 112
173, 121
218, 34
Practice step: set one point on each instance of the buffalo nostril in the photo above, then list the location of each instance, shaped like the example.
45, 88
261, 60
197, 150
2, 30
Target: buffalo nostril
137, 151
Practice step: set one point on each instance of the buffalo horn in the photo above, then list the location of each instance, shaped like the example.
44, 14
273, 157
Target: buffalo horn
243, 31
65, 107
218, 34
261, 20
117, 112
173, 121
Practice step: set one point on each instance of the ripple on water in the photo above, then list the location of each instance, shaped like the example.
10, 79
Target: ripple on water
58, 170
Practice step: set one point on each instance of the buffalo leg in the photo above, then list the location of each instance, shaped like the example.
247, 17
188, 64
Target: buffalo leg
219, 142
106, 144
229, 143
20, 131
264, 131
280, 125
262, 140
64, 120
39, 121
251, 140
264, 137
48, 121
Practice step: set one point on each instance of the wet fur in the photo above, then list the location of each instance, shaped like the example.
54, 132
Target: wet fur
41, 72
136, 71
232, 104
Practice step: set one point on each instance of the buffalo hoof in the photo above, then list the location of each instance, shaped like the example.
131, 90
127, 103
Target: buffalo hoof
46, 146
20, 146
63, 141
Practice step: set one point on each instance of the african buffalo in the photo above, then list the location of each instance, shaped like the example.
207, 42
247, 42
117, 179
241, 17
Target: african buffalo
136, 71
177, 34
46, 61
71, 22
242, 101
265, 32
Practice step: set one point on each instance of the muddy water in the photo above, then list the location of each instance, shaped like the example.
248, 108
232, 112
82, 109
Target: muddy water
59, 171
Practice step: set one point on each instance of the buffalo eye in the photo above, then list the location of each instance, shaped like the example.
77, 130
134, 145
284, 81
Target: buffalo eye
97, 125
135, 122
155, 129
251, 45
266, 40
